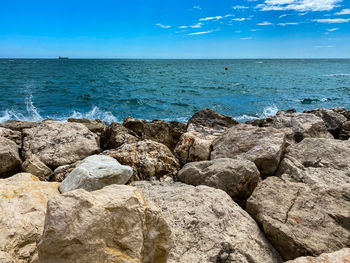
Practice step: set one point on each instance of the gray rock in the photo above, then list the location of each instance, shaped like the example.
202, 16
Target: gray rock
340, 256
19, 125
209, 118
10, 162
236, 177
35, 167
95, 126
344, 133
61, 172
12, 135
115, 135
263, 146
96, 172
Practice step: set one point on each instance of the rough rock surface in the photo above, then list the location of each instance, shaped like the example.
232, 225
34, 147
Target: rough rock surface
19, 125
23, 201
96, 172
61, 172
96, 126
263, 146
114, 224
10, 162
148, 159
35, 167
331, 118
344, 133
115, 135
12, 135
299, 219
59, 143
340, 256
167, 133
236, 177
296, 125
209, 118
207, 226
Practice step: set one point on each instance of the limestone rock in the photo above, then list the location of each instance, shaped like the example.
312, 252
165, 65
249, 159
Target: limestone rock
96, 172
207, 226
209, 118
59, 143
301, 219
35, 167
23, 201
263, 146
10, 162
236, 177
114, 224
344, 133
61, 172
95, 126
12, 135
149, 159
19, 125
340, 256
115, 135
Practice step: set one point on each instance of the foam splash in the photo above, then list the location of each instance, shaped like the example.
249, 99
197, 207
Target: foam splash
267, 111
95, 113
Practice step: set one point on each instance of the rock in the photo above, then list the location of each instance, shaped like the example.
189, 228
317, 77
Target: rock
296, 125
37, 168
59, 143
12, 135
19, 125
344, 133
300, 219
115, 135
340, 256
114, 224
332, 120
10, 162
61, 172
149, 159
96, 172
263, 146
23, 201
95, 126
236, 177
209, 118
167, 133
207, 226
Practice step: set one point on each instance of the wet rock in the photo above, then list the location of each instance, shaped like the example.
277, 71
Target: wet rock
96, 172
10, 162
114, 224
340, 256
12, 135
95, 126
148, 159
263, 146
37, 168
236, 177
209, 118
207, 226
59, 143
344, 133
115, 135
23, 201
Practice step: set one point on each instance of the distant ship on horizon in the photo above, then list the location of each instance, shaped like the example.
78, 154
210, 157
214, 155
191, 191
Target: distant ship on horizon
62, 57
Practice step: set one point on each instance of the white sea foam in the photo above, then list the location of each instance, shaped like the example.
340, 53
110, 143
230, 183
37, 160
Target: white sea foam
267, 111
95, 113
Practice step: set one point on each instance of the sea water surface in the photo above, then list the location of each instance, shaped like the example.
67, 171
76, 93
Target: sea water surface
110, 90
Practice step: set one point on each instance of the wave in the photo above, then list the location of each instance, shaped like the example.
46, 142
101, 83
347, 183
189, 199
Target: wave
267, 111
337, 75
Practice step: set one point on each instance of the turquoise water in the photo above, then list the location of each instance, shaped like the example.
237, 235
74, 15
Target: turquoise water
34, 89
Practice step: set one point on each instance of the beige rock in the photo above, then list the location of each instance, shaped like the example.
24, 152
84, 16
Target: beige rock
115, 135
95, 126
12, 135
35, 167
340, 256
344, 133
61, 172
23, 201
263, 146
207, 226
149, 159
59, 143
209, 118
10, 162
19, 125
114, 224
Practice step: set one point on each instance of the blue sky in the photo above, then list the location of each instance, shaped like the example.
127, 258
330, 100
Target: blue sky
175, 29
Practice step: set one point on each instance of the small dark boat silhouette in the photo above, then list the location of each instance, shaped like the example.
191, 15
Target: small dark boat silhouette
62, 57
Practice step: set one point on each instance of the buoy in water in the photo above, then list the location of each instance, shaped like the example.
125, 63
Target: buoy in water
226, 68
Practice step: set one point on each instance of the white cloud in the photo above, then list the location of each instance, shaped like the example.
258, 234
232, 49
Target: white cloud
344, 12
288, 23
240, 7
254, 30
183, 26
198, 25
265, 23
332, 29
197, 7
324, 46
332, 20
211, 18
299, 5
282, 16
246, 38
200, 33
238, 19
162, 26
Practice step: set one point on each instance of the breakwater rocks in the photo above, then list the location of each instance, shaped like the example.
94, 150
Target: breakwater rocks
212, 190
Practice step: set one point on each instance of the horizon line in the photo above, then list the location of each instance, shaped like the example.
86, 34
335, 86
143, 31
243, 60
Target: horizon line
146, 58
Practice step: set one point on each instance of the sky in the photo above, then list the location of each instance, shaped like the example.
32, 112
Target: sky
175, 28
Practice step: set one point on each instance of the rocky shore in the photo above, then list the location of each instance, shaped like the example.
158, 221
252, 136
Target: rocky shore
212, 190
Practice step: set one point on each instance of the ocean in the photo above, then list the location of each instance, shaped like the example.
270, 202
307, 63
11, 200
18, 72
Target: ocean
112, 89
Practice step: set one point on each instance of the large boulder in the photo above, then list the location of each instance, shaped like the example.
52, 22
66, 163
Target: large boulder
96, 172
23, 201
149, 159
114, 224
59, 143
36, 167
340, 256
12, 135
96, 126
10, 162
301, 219
236, 177
115, 135
19, 125
263, 146
209, 118
207, 226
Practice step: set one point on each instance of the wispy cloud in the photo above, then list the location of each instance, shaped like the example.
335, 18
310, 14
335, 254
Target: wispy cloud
198, 25
211, 18
201, 33
162, 26
254, 30
236, 7
332, 29
183, 27
299, 5
282, 16
197, 7
324, 46
332, 20
288, 23
246, 38
344, 12
238, 19
265, 23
